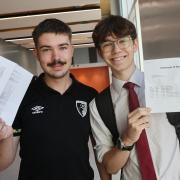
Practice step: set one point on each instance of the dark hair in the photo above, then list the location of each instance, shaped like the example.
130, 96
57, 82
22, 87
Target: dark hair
51, 26
113, 25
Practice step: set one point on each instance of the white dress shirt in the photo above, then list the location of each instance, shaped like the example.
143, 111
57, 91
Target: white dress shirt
161, 135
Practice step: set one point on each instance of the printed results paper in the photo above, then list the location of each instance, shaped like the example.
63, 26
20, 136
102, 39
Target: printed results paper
162, 84
14, 82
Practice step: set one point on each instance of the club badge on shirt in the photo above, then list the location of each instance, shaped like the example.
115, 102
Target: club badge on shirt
81, 107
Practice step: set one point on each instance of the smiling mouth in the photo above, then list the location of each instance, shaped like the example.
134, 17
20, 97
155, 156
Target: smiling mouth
119, 57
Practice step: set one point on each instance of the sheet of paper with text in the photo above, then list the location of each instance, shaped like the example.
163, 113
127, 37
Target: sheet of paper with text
14, 82
162, 84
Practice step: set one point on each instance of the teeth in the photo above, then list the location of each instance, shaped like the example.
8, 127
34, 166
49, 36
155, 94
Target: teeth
119, 58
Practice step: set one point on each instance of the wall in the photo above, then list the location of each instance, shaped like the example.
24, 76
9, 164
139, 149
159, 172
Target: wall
19, 55
96, 77
160, 28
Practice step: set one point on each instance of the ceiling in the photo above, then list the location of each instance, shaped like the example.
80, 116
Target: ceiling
19, 17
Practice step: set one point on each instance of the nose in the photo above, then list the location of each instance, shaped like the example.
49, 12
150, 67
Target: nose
55, 54
116, 47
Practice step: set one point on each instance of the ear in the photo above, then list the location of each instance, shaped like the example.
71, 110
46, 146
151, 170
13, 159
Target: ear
100, 53
35, 53
72, 49
135, 45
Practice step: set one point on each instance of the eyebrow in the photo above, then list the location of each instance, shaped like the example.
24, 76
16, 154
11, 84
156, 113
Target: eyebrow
47, 46
107, 40
64, 44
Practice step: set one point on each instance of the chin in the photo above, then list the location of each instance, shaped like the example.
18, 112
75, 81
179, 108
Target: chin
59, 75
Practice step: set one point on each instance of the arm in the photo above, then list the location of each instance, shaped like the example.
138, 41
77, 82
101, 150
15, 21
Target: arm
101, 140
115, 159
8, 145
102, 172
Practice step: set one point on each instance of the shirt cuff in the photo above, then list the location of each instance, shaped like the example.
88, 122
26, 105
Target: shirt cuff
101, 150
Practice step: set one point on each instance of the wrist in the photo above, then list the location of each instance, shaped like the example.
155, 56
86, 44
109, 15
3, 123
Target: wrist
124, 145
127, 141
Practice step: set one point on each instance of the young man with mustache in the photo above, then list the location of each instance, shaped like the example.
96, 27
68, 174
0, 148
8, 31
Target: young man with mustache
52, 123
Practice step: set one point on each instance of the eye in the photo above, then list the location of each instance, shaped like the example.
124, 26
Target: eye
62, 48
107, 44
45, 49
122, 41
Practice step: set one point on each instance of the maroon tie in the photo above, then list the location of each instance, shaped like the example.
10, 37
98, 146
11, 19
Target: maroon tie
142, 146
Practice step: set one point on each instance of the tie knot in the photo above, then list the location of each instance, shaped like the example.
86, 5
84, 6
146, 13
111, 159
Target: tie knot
129, 85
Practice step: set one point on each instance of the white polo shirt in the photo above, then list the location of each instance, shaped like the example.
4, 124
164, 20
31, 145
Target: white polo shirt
162, 138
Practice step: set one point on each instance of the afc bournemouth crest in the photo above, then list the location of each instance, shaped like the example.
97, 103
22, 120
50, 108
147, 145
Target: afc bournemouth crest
81, 107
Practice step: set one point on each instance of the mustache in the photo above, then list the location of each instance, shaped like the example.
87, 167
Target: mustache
55, 62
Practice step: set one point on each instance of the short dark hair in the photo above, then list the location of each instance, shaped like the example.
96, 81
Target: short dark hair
113, 25
52, 25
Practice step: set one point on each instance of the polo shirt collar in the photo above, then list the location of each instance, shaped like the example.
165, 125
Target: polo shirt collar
44, 89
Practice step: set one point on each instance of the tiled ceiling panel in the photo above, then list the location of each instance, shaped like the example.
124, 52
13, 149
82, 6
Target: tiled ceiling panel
19, 17
25, 6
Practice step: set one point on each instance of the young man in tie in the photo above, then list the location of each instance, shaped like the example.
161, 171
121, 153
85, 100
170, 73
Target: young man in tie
143, 149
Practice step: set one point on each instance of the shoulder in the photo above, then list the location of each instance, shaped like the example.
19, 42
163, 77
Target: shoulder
103, 94
31, 91
32, 85
26, 99
99, 98
85, 89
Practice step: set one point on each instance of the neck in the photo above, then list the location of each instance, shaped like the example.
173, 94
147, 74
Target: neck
58, 84
124, 75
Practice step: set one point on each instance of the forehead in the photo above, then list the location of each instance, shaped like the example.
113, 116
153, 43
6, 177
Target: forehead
114, 37
53, 38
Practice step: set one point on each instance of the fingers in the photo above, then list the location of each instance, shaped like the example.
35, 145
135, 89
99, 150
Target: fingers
137, 121
2, 124
5, 130
139, 112
141, 121
139, 118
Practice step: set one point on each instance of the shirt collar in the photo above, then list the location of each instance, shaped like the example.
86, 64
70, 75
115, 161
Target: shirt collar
136, 78
43, 88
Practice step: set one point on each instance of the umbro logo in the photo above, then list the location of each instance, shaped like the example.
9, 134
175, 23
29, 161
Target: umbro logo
37, 109
81, 107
